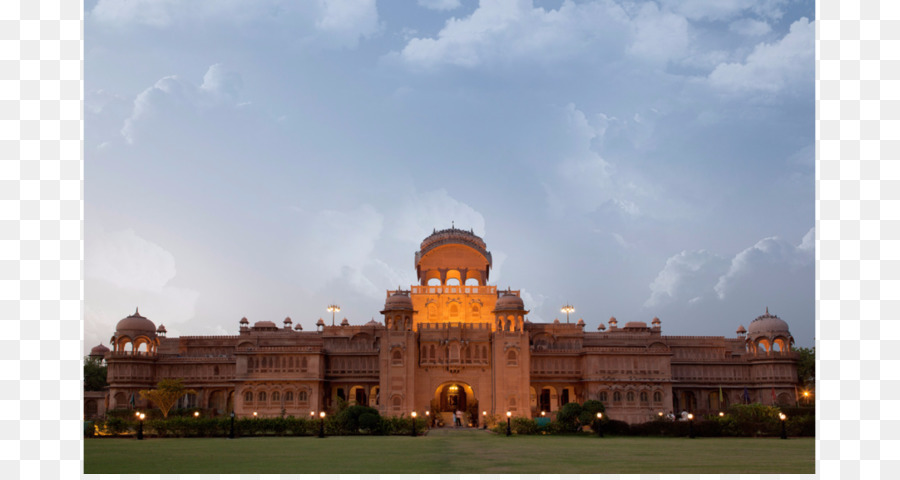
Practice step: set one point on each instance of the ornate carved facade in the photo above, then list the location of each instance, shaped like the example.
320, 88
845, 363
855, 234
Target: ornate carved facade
451, 340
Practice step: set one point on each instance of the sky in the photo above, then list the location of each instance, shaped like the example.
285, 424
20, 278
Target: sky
266, 159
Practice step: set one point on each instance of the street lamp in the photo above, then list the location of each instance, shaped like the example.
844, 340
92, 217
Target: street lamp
691, 425
543, 413
333, 308
141, 427
783, 417
484, 419
599, 429
508, 417
567, 309
413, 423
196, 414
429, 419
806, 396
322, 425
254, 414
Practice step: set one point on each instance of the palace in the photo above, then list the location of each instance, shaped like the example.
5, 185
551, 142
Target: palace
446, 343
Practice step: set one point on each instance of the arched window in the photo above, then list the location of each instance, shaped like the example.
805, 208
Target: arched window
454, 312
617, 397
303, 364
453, 281
251, 363
261, 397
657, 397
248, 397
603, 396
276, 396
476, 313
512, 359
302, 396
289, 396
434, 282
469, 354
431, 352
396, 358
471, 282
629, 396
644, 397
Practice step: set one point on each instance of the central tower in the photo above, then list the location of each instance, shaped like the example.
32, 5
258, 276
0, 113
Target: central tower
453, 267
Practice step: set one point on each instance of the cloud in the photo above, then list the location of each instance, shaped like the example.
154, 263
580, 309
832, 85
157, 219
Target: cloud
764, 262
424, 212
687, 275
772, 67
505, 31
339, 23
442, 5
220, 87
124, 270
750, 27
724, 9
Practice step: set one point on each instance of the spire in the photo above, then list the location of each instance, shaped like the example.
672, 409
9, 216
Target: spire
136, 313
767, 310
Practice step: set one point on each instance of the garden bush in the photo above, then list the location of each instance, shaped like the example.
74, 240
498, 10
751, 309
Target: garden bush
524, 426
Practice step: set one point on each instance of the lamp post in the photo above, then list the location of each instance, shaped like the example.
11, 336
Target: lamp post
413, 415
567, 309
783, 417
806, 396
196, 414
599, 425
428, 419
231, 431
508, 428
333, 308
322, 425
484, 419
141, 427
691, 425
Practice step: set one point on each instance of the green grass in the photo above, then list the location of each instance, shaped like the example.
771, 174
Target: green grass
463, 451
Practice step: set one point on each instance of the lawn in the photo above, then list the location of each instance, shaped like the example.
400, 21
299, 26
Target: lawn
449, 451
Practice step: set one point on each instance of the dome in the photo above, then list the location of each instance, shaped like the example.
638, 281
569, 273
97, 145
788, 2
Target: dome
372, 323
741, 330
601, 327
161, 329
99, 350
321, 323
768, 325
264, 324
509, 301
655, 321
345, 322
244, 321
580, 322
399, 300
134, 325
298, 327
287, 320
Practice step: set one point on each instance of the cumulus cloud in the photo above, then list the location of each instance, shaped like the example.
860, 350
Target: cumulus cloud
220, 87
426, 211
750, 27
772, 67
441, 5
687, 275
337, 22
724, 9
123, 271
691, 277
515, 30
768, 256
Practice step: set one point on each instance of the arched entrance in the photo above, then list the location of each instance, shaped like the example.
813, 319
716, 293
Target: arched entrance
453, 396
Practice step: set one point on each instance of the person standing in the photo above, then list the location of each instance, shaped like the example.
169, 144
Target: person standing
459, 418
454, 419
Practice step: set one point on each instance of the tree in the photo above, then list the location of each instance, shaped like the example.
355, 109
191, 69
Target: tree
806, 370
94, 375
166, 393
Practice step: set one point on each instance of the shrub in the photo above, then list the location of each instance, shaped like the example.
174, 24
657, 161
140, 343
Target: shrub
370, 422
568, 416
347, 420
524, 426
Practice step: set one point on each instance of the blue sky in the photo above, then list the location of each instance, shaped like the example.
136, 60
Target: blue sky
267, 158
